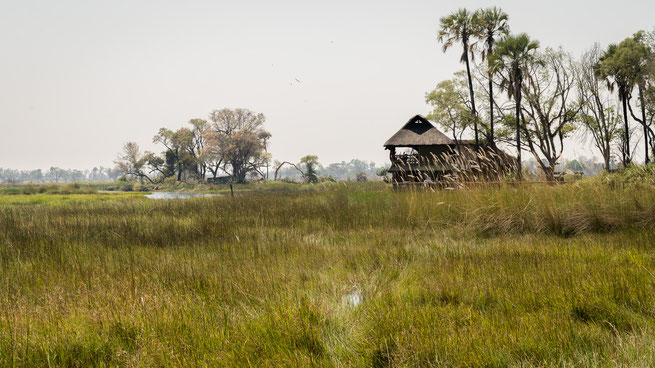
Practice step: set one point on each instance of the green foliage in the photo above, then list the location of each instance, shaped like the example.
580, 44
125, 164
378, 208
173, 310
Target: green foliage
460, 26
626, 65
550, 110
597, 116
510, 58
610, 126
624, 62
310, 162
575, 165
492, 23
463, 26
237, 142
449, 105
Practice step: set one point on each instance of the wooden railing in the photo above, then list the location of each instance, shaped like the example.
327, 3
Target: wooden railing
470, 184
406, 159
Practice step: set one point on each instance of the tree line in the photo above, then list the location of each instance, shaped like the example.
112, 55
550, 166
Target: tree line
57, 175
352, 170
229, 143
533, 99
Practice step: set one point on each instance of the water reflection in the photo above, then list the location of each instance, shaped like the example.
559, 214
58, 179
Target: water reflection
352, 299
177, 195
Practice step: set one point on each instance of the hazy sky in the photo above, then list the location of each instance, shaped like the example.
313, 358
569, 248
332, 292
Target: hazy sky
80, 78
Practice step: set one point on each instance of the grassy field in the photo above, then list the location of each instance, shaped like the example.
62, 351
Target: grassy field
332, 275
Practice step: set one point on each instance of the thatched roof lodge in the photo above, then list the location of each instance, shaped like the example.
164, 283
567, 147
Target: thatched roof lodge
418, 132
419, 152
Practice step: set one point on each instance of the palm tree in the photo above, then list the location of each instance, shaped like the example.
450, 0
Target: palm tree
623, 65
511, 57
460, 26
613, 69
493, 24
641, 62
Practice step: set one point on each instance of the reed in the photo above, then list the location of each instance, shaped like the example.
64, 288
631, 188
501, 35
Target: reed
502, 275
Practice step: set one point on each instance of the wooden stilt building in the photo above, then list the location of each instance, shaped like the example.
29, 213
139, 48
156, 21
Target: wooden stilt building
419, 152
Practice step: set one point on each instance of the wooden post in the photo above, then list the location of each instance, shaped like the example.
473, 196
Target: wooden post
231, 190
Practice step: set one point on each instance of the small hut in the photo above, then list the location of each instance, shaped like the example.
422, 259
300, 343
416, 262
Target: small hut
419, 152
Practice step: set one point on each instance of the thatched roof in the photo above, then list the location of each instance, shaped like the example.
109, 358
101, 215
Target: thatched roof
418, 132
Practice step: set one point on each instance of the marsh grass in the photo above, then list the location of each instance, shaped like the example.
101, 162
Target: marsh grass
502, 276
29, 189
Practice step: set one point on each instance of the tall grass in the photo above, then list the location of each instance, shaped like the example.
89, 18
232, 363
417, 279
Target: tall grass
28, 189
531, 276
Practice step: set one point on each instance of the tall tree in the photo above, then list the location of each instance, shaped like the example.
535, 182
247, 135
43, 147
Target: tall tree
620, 65
310, 162
56, 174
598, 115
493, 24
177, 144
550, 110
510, 59
196, 146
239, 139
462, 27
132, 162
643, 77
649, 91
649, 106
450, 109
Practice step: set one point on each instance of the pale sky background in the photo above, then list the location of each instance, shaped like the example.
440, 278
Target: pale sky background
80, 78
